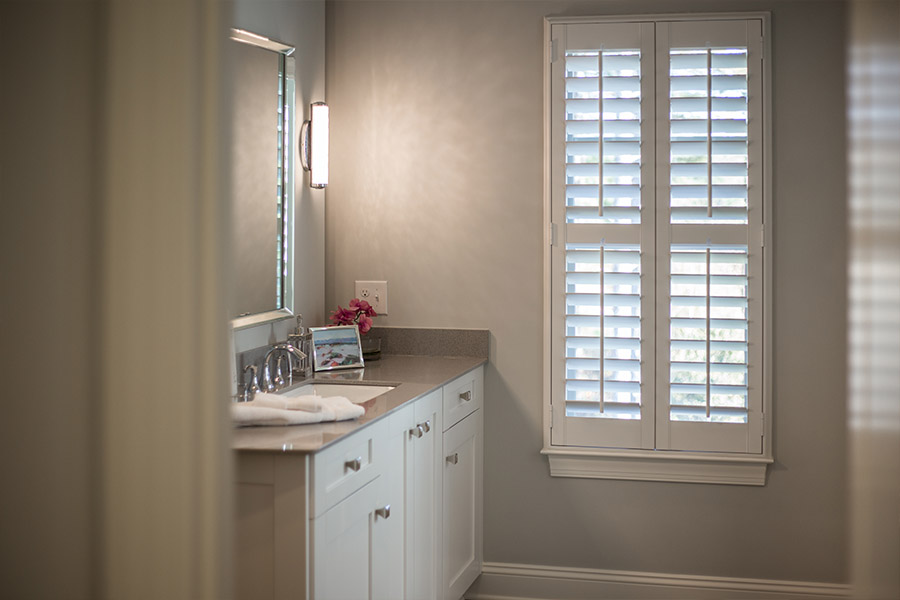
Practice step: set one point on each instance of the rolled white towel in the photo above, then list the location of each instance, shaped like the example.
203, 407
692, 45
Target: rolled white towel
335, 408
341, 409
248, 416
308, 403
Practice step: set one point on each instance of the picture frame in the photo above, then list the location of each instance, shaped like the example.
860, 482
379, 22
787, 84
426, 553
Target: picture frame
336, 348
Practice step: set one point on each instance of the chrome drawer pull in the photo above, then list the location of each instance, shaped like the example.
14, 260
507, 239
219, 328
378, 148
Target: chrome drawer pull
416, 432
426, 426
384, 513
453, 458
466, 396
354, 465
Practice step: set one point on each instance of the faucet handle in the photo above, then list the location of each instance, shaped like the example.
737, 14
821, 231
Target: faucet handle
252, 387
267, 378
279, 378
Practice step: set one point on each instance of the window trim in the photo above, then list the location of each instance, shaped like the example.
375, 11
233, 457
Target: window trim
661, 465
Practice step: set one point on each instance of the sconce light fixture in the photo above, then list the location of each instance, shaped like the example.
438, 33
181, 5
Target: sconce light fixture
314, 145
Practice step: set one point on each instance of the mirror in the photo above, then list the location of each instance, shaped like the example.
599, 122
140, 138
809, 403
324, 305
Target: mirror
262, 177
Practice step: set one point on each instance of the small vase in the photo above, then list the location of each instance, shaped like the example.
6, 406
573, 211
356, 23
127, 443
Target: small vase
371, 348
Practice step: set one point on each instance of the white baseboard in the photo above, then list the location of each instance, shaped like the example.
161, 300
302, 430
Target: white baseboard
506, 581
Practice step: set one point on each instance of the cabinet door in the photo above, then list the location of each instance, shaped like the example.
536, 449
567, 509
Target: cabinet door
424, 506
462, 505
342, 538
389, 516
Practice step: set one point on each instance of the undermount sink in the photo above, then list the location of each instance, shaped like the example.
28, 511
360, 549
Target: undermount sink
355, 393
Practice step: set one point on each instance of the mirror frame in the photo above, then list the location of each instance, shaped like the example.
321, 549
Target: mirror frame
285, 209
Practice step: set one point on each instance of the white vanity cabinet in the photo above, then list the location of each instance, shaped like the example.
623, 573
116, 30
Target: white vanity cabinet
462, 516
424, 485
379, 514
358, 544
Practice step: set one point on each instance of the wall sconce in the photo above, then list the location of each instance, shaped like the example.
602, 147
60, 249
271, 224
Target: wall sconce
314, 145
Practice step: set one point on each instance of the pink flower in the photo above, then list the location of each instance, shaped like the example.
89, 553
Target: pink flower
343, 316
365, 323
360, 314
361, 306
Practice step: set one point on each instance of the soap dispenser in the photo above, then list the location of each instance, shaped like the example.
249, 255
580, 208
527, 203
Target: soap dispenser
299, 339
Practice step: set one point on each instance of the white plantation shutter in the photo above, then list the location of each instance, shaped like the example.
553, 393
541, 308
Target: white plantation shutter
709, 223
656, 274
604, 299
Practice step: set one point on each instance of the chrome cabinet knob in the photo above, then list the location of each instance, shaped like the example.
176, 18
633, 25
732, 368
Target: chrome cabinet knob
426, 426
384, 513
416, 431
466, 396
354, 465
453, 458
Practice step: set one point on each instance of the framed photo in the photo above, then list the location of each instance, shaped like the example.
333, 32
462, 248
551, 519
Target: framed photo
336, 347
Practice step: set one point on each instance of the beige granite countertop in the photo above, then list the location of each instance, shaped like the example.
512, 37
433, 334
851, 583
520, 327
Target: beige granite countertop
414, 377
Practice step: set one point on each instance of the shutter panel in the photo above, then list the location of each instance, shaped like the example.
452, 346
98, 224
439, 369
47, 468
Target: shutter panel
709, 280
602, 293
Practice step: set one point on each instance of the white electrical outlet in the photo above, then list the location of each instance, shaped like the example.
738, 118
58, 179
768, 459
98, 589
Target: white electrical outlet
375, 293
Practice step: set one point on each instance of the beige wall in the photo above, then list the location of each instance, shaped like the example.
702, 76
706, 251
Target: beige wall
436, 187
82, 164
49, 72
874, 217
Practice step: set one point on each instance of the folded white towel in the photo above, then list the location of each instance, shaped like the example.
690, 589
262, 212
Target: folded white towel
309, 403
334, 408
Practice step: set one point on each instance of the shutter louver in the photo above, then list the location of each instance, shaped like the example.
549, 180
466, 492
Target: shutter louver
708, 334
603, 132
603, 179
603, 331
708, 135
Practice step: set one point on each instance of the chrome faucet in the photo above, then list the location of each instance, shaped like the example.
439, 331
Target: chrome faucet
281, 349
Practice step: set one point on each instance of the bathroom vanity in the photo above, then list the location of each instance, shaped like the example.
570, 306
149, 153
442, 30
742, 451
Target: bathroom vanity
388, 506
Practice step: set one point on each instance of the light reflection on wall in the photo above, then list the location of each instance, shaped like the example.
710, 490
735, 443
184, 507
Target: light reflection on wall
874, 297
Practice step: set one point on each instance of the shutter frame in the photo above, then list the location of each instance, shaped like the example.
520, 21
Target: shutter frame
760, 253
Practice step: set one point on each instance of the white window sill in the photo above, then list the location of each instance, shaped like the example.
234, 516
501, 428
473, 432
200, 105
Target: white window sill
652, 465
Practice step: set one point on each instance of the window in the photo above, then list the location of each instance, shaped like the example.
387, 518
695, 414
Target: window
657, 266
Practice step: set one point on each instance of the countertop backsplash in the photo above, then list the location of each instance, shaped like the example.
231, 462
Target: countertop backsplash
423, 341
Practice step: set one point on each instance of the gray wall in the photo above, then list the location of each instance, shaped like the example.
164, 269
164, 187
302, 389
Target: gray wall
436, 187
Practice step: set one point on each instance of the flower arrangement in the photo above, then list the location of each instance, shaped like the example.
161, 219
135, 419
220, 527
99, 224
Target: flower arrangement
360, 314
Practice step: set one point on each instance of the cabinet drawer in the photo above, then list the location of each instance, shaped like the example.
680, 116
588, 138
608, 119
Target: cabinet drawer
462, 397
345, 467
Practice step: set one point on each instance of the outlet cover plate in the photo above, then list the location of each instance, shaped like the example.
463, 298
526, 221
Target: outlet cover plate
375, 293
